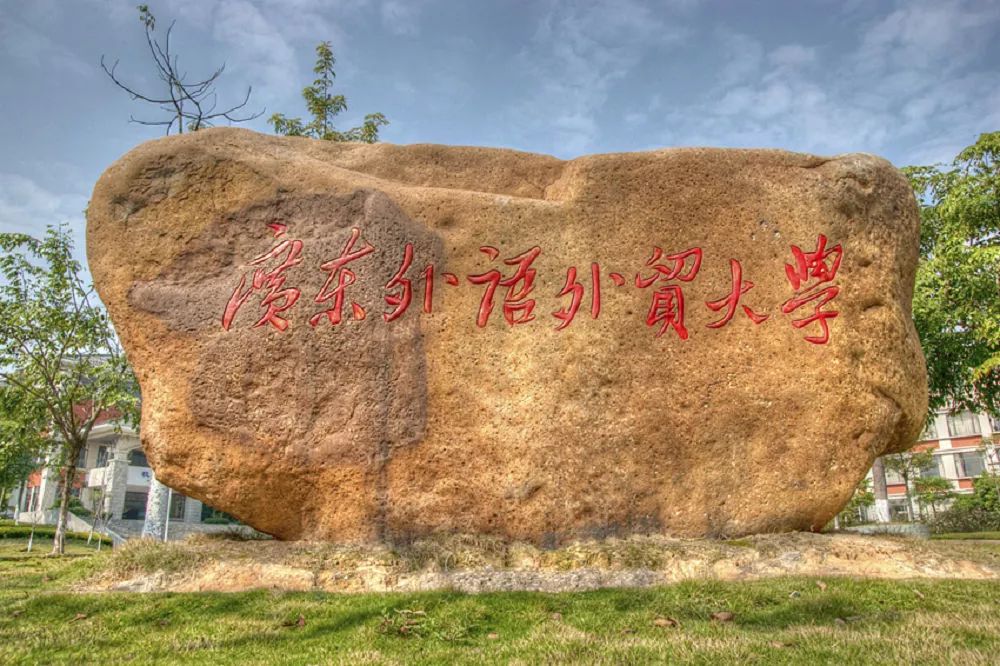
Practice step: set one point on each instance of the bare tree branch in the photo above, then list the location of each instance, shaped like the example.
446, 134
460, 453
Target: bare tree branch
191, 104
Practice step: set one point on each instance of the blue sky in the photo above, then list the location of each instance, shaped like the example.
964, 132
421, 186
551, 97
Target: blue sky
911, 81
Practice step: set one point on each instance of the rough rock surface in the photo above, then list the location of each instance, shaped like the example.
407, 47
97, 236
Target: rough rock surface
374, 430
477, 564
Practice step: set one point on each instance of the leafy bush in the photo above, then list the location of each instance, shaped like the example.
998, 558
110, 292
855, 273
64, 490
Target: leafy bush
985, 494
77, 508
963, 518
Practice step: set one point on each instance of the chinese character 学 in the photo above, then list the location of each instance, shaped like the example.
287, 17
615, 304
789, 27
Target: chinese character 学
812, 276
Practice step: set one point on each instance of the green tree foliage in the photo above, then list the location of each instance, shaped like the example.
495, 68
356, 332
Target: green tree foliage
908, 466
956, 303
23, 437
324, 106
60, 362
931, 491
977, 512
862, 498
985, 494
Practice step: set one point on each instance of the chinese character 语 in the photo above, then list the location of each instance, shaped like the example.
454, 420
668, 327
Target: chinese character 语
517, 307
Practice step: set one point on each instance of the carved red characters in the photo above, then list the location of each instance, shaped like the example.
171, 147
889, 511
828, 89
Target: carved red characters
667, 307
517, 306
277, 299
810, 277
574, 290
740, 287
345, 278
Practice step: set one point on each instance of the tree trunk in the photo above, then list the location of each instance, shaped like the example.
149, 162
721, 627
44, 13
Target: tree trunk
69, 477
20, 502
156, 510
880, 491
909, 499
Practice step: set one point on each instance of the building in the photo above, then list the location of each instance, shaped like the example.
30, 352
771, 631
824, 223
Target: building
112, 485
962, 444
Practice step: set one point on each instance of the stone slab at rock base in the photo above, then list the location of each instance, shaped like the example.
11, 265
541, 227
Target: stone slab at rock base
375, 343
477, 564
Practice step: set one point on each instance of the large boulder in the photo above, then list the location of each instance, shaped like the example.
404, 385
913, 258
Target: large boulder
750, 353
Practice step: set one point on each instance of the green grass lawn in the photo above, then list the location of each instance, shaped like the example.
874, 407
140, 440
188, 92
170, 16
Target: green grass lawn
961, 536
785, 620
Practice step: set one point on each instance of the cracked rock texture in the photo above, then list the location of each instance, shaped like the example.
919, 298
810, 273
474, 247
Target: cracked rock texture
370, 430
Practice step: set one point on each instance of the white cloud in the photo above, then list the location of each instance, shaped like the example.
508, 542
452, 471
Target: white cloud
27, 207
577, 53
22, 41
791, 55
400, 18
909, 85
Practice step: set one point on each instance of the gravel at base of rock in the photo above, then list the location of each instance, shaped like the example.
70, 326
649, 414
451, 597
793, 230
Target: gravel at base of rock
472, 564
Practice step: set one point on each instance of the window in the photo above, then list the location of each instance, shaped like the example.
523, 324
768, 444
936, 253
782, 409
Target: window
963, 424
930, 432
81, 458
177, 506
933, 470
970, 464
102, 456
897, 511
995, 422
137, 458
135, 505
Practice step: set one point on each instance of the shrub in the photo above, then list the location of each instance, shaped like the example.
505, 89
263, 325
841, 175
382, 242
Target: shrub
77, 508
965, 518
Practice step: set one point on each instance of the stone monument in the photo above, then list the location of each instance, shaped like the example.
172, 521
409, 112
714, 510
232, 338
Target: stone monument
370, 343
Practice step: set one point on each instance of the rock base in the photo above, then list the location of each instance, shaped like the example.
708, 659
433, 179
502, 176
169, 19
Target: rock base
478, 564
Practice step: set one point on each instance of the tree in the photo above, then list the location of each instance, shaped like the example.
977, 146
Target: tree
908, 466
956, 301
189, 104
324, 106
22, 437
985, 494
862, 498
59, 357
931, 491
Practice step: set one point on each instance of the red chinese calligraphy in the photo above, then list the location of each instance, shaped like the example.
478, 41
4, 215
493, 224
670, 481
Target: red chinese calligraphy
449, 278
574, 290
517, 307
400, 300
277, 299
809, 274
667, 307
740, 287
345, 278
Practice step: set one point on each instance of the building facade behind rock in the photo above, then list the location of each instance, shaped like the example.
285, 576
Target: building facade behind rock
964, 445
110, 491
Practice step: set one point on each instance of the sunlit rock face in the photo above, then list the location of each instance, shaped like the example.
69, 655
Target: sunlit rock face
378, 342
